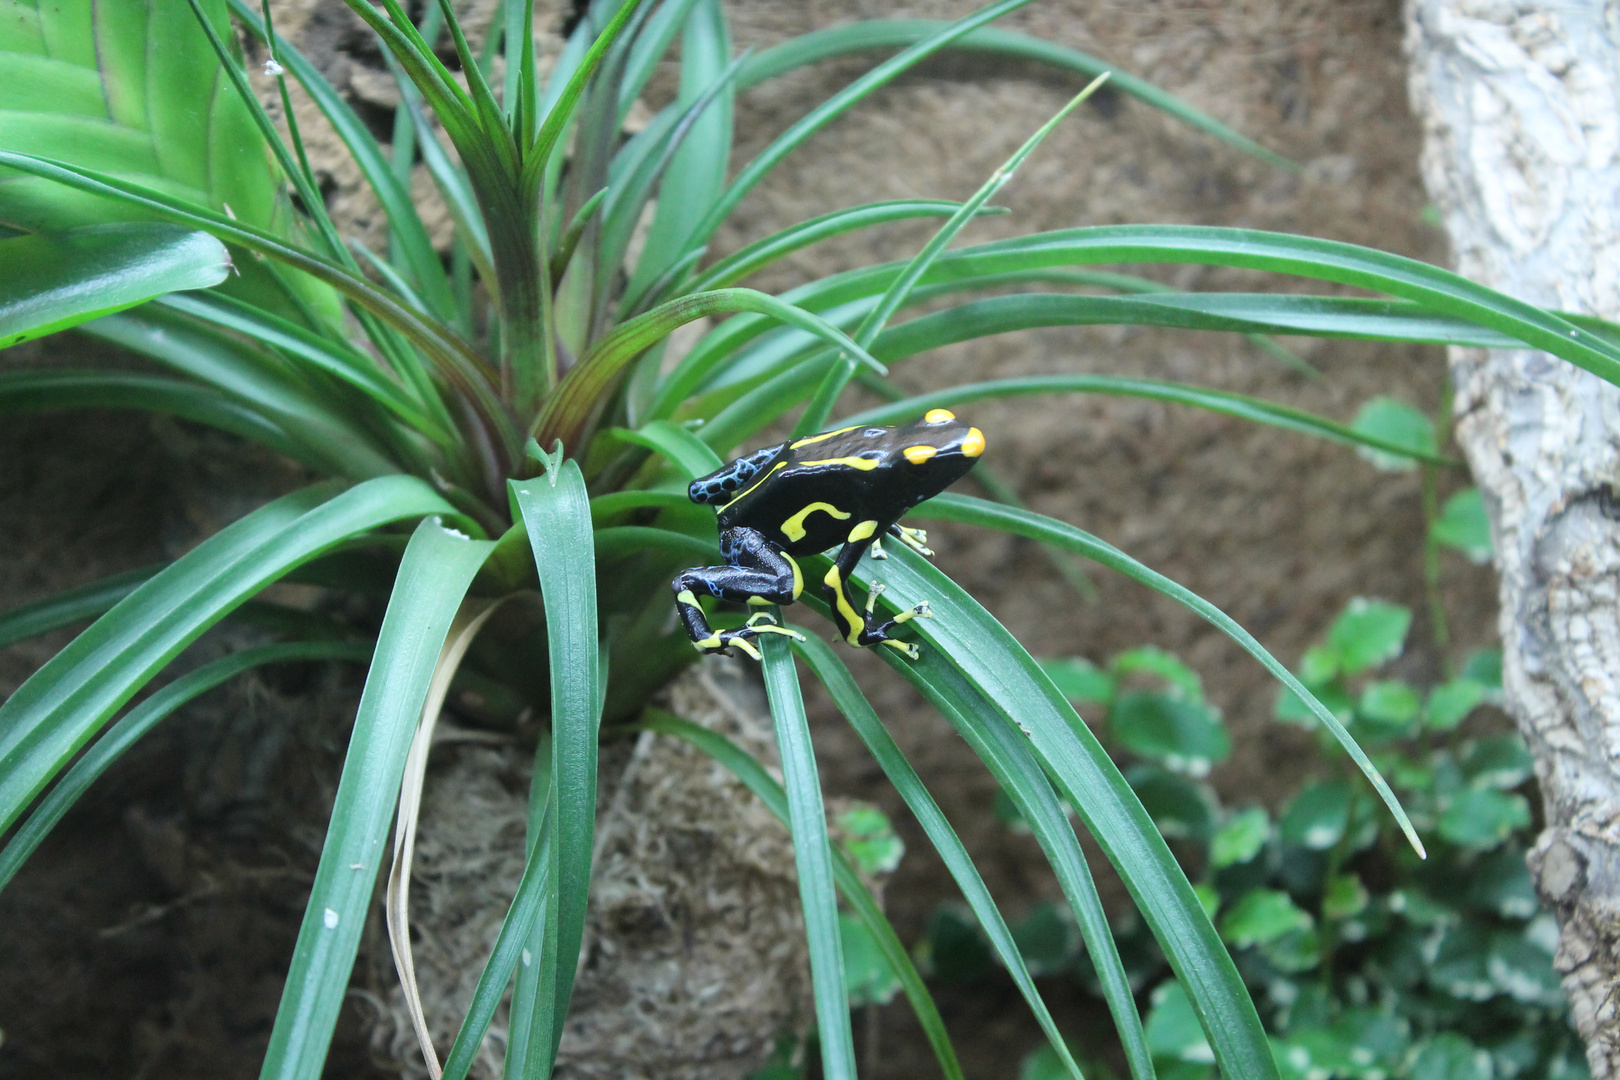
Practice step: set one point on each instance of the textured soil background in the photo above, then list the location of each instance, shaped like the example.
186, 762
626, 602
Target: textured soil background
150, 936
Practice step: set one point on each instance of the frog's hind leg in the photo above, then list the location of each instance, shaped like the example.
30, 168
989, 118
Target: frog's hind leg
862, 629
757, 573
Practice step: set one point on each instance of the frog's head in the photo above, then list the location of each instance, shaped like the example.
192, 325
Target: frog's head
940, 445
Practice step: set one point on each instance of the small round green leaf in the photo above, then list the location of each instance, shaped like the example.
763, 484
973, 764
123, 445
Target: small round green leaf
1463, 525
1261, 916
1394, 422
1500, 884
1484, 666
1180, 808
1388, 708
1498, 761
1344, 898
1368, 633
869, 839
1521, 966
1451, 702
1173, 1031
1240, 838
1183, 735
1483, 817
1047, 938
1080, 680
1317, 816
867, 975
1449, 1056
1151, 660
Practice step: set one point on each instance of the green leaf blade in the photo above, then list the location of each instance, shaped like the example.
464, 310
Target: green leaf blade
812, 854
438, 566
555, 511
67, 700
57, 280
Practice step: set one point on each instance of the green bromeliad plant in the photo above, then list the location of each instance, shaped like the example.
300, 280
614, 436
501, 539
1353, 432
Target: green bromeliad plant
506, 420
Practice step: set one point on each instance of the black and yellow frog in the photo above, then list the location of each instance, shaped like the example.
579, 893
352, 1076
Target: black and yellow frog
847, 487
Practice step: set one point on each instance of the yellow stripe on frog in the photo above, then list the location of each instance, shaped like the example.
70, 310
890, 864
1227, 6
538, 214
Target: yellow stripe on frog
818, 438
793, 528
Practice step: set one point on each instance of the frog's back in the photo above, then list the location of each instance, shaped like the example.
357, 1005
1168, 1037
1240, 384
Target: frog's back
819, 488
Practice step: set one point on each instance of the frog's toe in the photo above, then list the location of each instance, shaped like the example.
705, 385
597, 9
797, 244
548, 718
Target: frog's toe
911, 651
920, 610
723, 641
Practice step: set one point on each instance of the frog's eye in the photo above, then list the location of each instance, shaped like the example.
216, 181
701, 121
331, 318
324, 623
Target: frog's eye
938, 416
919, 454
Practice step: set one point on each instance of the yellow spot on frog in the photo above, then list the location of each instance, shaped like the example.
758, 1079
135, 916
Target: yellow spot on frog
938, 416
919, 454
862, 531
973, 445
793, 527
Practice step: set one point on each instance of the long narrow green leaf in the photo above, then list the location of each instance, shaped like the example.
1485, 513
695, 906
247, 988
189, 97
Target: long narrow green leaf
606, 507
556, 512
819, 45
815, 414
451, 181
824, 113
761, 253
1242, 313
724, 355
1241, 406
438, 566
539, 835
526, 912
255, 379
697, 172
622, 540
560, 110
340, 360
458, 361
674, 204
57, 280
1013, 700
567, 412
652, 43
66, 701
689, 453
812, 855
60, 389
768, 791
142, 719
70, 606
853, 704
1439, 291
1060, 534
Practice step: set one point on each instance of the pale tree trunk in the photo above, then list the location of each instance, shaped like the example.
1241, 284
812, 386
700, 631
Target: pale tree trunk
1522, 157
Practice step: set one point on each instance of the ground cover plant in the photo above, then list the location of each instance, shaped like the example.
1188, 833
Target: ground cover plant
516, 406
1365, 961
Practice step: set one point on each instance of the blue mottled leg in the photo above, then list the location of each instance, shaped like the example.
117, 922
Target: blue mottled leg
757, 573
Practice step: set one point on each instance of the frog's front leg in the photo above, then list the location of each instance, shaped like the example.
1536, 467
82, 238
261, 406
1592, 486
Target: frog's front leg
757, 572
863, 630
